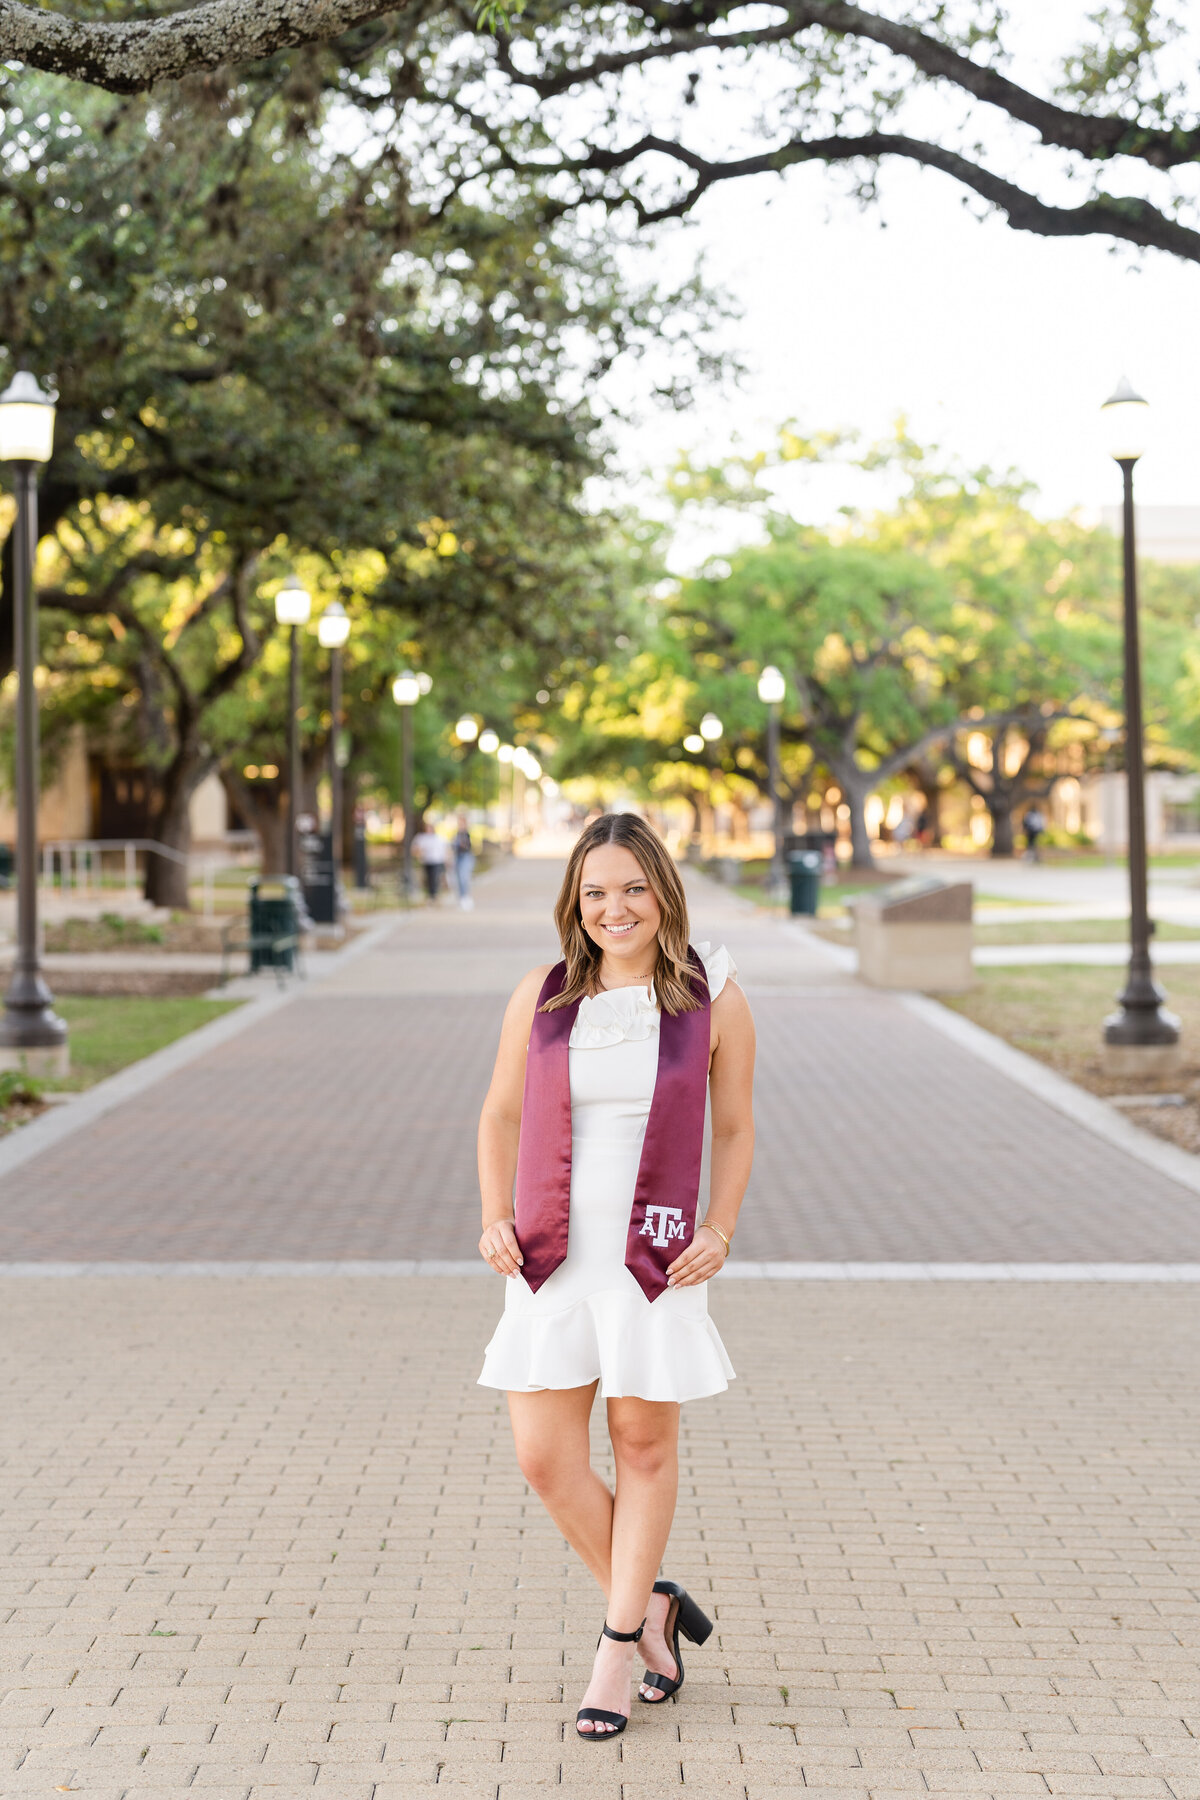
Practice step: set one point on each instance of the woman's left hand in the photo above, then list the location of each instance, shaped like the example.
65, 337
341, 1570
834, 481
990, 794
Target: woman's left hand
699, 1262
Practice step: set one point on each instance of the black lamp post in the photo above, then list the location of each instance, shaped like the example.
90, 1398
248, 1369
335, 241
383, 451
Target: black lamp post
333, 628
406, 691
771, 690
293, 604
32, 1035
1142, 1037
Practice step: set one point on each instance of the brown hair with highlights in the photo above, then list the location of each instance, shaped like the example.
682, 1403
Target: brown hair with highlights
677, 986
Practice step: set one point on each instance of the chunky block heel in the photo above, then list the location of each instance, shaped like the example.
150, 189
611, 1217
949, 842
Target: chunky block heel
683, 1615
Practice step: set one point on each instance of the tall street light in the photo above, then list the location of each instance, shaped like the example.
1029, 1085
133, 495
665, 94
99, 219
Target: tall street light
771, 690
1142, 1037
293, 604
406, 691
489, 743
32, 1035
333, 628
505, 755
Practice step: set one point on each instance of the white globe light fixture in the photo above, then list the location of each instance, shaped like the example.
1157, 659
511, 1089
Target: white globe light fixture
333, 626
406, 689
26, 420
467, 729
424, 682
293, 602
489, 743
506, 753
1124, 420
771, 685
693, 743
711, 728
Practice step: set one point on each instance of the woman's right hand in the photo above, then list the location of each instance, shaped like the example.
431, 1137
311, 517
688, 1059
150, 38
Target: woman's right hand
499, 1248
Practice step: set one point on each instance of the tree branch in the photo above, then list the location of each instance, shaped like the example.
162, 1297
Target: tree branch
126, 57
1127, 217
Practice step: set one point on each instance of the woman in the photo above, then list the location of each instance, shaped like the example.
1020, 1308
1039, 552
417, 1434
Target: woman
464, 861
596, 1111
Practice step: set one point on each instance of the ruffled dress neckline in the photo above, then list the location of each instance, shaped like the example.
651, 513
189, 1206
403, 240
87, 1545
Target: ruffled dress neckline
630, 1014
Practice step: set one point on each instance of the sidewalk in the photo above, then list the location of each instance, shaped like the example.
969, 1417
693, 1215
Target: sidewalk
265, 1534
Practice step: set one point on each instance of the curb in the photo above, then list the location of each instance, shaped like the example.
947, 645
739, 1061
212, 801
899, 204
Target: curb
1075, 1102
1089, 1273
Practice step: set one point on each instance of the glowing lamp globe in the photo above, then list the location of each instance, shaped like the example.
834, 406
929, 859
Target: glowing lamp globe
333, 627
1124, 420
406, 689
771, 685
26, 420
293, 602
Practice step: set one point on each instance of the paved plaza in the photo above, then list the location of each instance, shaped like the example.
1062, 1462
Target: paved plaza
264, 1534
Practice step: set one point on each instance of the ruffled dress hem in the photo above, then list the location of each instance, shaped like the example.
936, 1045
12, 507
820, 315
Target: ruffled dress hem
616, 1339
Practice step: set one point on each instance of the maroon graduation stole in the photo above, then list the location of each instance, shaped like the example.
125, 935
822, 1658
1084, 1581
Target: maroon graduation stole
663, 1218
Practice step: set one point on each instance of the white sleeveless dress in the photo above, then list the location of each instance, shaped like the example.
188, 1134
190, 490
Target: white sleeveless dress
590, 1320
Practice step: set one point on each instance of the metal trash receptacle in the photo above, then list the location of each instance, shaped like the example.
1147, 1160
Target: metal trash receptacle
804, 875
274, 923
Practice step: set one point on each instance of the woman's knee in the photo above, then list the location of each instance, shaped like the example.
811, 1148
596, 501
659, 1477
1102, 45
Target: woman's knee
551, 1465
646, 1446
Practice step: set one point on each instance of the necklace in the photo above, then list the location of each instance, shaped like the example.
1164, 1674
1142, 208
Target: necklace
629, 981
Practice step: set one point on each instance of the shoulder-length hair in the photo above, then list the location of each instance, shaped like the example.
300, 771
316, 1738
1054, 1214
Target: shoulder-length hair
675, 983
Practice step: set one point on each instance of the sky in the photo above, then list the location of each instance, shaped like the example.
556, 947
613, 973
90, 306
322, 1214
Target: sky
998, 345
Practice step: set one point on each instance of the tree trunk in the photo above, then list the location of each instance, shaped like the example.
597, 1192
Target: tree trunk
262, 805
166, 882
1000, 805
926, 779
856, 785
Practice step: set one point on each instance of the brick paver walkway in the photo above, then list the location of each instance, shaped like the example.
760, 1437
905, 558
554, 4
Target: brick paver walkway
343, 1126
266, 1535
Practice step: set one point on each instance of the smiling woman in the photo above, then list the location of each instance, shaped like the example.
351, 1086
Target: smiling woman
596, 1115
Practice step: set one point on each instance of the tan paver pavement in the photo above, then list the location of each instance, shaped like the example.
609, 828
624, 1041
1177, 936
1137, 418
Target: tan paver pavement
266, 1535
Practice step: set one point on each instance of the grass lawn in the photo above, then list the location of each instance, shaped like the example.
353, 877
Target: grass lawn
109, 1032
1057, 1013
1078, 931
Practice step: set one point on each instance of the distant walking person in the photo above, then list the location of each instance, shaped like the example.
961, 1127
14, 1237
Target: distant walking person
464, 862
596, 1113
1033, 825
432, 852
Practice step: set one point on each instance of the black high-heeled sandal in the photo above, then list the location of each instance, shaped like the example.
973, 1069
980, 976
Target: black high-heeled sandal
693, 1623
595, 1714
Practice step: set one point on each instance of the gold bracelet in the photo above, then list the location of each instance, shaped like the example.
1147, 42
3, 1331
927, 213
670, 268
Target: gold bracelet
718, 1231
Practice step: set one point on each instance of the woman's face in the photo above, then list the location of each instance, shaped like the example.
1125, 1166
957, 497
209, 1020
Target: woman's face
618, 907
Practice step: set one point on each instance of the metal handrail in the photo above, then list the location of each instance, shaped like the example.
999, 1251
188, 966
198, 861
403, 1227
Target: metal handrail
76, 868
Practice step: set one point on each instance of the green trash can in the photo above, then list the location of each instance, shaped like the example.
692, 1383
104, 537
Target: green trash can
804, 874
274, 924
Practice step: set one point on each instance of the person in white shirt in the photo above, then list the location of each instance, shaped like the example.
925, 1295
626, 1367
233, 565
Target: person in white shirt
431, 851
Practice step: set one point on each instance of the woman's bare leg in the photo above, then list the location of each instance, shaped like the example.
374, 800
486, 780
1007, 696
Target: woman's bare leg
550, 1430
645, 1439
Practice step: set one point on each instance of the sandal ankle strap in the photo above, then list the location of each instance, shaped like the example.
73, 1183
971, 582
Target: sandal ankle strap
624, 1637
